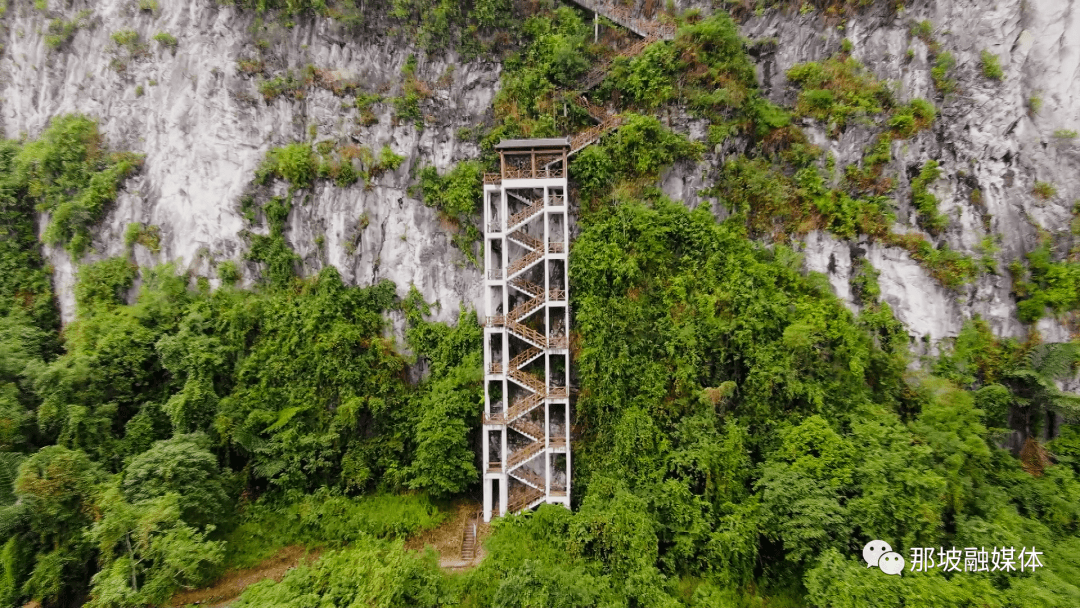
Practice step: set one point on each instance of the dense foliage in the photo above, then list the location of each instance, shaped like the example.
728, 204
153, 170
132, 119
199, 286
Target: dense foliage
743, 434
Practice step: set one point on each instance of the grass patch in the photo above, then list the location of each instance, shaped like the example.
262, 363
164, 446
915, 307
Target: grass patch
837, 90
1044, 190
941, 73
991, 66
925, 202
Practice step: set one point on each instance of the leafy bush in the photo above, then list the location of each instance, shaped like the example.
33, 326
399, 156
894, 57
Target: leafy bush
456, 194
69, 173
372, 573
61, 32
838, 90
642, 147
294, 163
166, 40
104, 284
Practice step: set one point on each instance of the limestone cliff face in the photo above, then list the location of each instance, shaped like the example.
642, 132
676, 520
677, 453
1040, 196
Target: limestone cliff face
204, 128
985, 137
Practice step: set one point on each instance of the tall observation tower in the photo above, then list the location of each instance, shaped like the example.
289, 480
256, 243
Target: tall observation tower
526, 432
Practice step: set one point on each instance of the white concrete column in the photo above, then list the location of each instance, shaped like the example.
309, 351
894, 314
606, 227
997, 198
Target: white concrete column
487, 500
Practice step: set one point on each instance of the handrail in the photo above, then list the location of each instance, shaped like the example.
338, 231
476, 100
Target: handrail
528, 287
496, 321
492, 178
529, 380
556, 295
522, 310
528, 241
525, 261
524, 406
557, 392
529, 429
524, 215
625, 17
590, 135
495, 274
526, 476
524, 356
524, 499
520, 457
597, 74
496, 367
555, 247
527, 333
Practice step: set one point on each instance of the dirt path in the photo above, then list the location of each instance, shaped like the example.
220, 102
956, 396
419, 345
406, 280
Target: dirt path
445, 539
233, 583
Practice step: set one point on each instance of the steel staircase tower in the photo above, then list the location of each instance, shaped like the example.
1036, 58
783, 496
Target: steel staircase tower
526, 430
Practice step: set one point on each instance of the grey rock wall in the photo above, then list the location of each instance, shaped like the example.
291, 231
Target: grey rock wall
985, 137
204, 128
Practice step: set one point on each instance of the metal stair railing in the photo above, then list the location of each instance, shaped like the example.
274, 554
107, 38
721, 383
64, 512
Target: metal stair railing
599, 72
625, 17
528, 477
524, 455
526, 286
527, 333
524, 262
524, 357
529, 429
525, 405
525, 240
528, 380
524, 215
523, 310
524, 499
589, 136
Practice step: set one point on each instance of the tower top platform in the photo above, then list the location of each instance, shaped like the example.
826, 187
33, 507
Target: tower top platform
533, 144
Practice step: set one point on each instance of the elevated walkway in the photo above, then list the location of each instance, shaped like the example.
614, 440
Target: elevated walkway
622, 15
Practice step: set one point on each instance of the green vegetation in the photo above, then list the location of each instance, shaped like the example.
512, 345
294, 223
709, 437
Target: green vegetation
61, 31
294, 163
166, 40
838, 90
1065, 134
70, 174
1034, 104
300, 164
991, 66
297, 85
742, 433
148, 236
457, 196
128, 39
158, 415
941, 72
150, 6
364, 102
1045, 284
413, 91
925, 202
1044, 190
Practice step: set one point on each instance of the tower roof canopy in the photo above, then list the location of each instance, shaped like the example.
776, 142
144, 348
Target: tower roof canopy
527, 144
